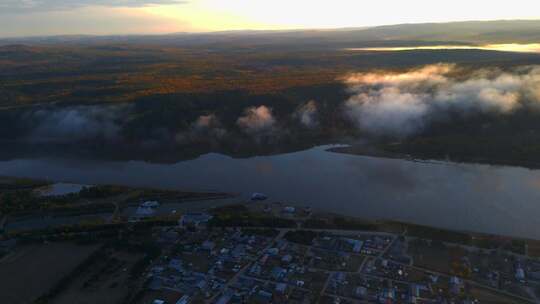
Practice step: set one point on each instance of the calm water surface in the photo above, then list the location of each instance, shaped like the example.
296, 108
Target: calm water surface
501, 200
60, 189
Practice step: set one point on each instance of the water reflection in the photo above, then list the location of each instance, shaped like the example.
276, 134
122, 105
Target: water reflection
507, 47
472, 197
60, 189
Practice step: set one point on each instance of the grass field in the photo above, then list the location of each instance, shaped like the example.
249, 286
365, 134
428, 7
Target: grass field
434, 257
486, 296
32, 270
105, 281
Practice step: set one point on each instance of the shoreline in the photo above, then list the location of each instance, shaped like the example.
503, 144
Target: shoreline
363, 150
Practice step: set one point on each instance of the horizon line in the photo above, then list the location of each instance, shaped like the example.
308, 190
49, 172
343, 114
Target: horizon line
260, 30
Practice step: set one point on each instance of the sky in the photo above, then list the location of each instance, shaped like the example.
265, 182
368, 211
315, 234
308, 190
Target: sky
104, 17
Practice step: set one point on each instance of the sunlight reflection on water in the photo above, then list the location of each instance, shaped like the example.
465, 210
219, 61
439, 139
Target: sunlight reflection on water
507, 47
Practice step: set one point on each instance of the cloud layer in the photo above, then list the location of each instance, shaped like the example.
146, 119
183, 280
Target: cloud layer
307, 114
400, 104
75, 124
256, 120
26, 6
206, 128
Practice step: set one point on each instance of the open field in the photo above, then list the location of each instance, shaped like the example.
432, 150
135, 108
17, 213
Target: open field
486, 296
31, 270
105, 281
438, 258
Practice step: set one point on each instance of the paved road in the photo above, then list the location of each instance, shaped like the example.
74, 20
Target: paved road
381, 255
241, 272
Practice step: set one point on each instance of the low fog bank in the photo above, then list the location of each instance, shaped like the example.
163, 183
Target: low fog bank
161, 131
120, 123
405, 103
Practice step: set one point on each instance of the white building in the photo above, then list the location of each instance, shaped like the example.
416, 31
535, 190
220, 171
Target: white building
520, 274
150, 204
289, 209
195, 219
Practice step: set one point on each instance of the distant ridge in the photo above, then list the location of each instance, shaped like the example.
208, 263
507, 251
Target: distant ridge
498, 31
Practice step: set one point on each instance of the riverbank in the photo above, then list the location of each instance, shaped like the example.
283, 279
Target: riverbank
260, 236
26, 207
380, 152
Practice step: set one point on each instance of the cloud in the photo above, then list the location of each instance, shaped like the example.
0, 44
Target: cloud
428, 75
206, 122
307, 114
74, 124
256, 120
207, 128
388, 111
401, 104
27, 6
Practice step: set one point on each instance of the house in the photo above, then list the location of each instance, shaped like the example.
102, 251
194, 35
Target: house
281, 287
146, 209
150, 204
287, 258
183, 300
143, 212
224, 299
7, 244
176, 264
155, 283
520, 273
239, 251
356, 244
272, 251
416, 292
387, 295
169, 236
456, 285
263, 259
195, 219
340, 277
208, 245
455, 280
258, 197
201, 284
255, 269
278, 273
263, 297
360, 292
535, 275
289, 209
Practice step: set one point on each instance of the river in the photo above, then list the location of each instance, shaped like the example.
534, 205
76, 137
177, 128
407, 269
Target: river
482, 198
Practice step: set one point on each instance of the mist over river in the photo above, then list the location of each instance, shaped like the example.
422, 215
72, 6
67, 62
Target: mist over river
474, 197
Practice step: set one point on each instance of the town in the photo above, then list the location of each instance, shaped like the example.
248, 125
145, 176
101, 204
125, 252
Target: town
290, 265
159, 247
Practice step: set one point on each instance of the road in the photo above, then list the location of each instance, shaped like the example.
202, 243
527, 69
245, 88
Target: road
248, 265
380, 255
